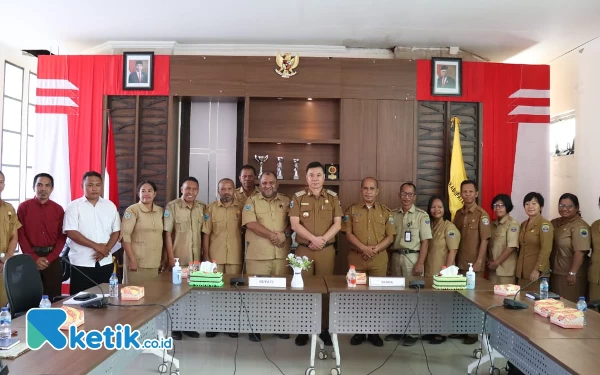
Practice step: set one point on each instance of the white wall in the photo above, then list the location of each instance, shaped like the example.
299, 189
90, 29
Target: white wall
563, 179
574, 82
213, 135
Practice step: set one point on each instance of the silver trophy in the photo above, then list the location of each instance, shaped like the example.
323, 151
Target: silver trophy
280, 167
296, 177
261, 160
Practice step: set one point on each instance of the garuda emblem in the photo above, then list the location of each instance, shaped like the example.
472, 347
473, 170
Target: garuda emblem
286, 64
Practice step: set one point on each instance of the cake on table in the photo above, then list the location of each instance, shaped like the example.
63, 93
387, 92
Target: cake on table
546, 307
206, 279
506, 289
449, 279
567, 318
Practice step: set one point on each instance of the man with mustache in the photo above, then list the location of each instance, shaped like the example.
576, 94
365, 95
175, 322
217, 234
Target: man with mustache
41, 235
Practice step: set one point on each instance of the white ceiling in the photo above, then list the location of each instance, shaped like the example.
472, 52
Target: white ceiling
530, 31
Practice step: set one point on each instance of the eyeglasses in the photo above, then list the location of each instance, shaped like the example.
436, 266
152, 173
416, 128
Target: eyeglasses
567, 206
409, 195
498, 205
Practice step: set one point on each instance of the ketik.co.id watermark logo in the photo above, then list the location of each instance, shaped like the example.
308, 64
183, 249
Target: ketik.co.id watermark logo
43, 326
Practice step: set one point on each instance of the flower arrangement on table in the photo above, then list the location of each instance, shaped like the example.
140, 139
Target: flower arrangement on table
303, 263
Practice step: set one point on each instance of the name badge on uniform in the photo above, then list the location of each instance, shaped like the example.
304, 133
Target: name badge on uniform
304, 203
407, 236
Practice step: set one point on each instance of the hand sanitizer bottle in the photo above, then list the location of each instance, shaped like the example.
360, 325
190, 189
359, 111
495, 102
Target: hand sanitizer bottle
177, 272
471, 277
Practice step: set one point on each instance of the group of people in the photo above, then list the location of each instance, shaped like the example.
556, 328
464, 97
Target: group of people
407, 241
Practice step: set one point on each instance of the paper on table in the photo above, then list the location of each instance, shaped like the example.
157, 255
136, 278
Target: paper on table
449, 271
72, 301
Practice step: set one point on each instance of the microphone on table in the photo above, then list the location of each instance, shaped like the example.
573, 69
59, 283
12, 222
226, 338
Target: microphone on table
513, 304
241, 280
100, 303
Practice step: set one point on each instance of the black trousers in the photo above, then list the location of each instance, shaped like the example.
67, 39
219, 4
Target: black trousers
52, 279
100, 274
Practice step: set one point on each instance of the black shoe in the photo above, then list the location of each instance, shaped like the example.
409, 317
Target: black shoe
357, 339
176, 335
428, 337
192, 334
409, 341
233, 335
393, 337
284, 336
470, 339
326, 337
375, 340
210, 335
301, 340
254, 337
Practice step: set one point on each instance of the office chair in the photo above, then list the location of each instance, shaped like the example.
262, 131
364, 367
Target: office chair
23, 284
594, 305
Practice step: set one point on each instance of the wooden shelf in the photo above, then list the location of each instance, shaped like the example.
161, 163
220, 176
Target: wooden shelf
295, 141
303, 182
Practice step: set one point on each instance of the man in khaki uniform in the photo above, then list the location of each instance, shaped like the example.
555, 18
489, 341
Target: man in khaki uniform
503, 243
223, 230
247, 177
268, 233
411, 244
413, 232
474, 225
8, 236
183, 220
316, 217
369, 227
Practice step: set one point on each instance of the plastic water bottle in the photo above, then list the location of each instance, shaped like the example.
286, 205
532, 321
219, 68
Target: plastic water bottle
351, 277
544, 287
582, 306
113, 286
177, 272
214, 266
470, 277
5, 331
45, 302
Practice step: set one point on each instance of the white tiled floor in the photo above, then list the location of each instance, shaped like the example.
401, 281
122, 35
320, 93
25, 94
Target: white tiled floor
216, 357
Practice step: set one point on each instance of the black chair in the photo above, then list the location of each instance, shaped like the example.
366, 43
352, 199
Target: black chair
23, 284
594, 305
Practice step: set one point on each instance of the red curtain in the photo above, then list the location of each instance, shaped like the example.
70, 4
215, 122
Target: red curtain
86, 79
493, 84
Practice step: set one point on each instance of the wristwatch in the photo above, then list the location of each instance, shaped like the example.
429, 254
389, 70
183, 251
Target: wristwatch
572, 273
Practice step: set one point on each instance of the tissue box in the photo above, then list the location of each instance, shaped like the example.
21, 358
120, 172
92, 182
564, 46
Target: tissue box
132, 293
74, 317
567, 318
361, 279
545, 307
506, 289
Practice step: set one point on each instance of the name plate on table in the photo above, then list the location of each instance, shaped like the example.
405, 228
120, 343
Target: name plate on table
270, 282
386, 281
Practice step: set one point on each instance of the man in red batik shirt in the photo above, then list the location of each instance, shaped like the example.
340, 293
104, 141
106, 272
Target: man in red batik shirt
41, 235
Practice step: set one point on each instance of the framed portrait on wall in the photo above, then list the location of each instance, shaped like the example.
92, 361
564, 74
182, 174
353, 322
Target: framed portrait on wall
138, 70
446, 76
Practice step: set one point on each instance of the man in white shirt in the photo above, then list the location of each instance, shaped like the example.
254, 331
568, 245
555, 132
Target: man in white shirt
93, 226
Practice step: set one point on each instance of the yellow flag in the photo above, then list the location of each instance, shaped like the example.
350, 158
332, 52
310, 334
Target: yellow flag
457, 171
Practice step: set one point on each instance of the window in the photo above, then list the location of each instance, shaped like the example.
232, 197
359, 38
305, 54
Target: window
562, 134
12, 122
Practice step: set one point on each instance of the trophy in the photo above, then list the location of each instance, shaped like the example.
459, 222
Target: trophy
261, 160
280, 167
296, 177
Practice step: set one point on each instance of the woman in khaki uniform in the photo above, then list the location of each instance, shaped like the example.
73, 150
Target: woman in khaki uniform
535, 242
572, 243
446, 238
443, 246
594, 270
142, 230
504, 242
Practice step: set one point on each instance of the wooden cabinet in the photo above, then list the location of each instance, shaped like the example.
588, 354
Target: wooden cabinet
308, 130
